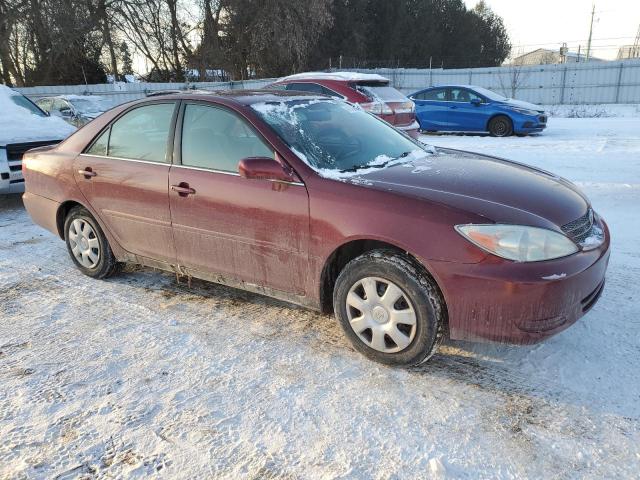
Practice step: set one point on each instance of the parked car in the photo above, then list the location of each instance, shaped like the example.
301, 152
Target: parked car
23, 126
465, 108
314, 201
372, 92
77, 110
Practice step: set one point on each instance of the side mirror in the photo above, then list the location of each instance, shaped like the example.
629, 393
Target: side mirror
476, 101
264, 168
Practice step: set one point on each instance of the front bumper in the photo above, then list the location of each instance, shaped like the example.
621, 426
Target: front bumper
11, 180
523, 303
530, 124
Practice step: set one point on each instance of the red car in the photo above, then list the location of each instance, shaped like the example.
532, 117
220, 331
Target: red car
372, 92
312, 200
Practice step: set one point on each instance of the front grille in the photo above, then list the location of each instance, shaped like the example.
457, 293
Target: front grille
15, 151
579, 229
542, 119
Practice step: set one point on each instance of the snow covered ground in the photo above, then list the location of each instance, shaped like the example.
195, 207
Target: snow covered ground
139, 375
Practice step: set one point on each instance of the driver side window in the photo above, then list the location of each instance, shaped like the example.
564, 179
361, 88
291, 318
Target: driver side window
217, 139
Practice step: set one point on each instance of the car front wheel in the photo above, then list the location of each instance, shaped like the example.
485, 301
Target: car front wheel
501, 126
87, 244
389, 309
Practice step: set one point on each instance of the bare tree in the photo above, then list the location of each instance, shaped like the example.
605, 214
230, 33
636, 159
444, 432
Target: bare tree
516, 77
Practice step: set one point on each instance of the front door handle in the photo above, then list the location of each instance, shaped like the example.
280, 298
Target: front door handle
87, 172
453, 107
183, 189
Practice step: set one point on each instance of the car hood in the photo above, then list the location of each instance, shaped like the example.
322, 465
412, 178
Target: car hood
495, 189
521, 104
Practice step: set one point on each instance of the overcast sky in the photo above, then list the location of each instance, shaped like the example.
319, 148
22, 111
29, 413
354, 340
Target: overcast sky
551, 22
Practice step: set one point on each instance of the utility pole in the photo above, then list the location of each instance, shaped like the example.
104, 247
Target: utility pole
593, 12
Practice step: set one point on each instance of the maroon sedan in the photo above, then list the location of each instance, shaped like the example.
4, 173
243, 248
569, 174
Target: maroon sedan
312, 200
372, 92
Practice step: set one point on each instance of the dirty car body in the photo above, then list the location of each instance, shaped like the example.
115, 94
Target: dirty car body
292, 226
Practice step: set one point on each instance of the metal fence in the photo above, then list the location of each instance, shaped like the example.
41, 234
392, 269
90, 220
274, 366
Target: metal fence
124, 92
571, 83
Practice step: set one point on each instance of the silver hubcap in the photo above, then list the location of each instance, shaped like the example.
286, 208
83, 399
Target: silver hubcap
381, 314
84, 243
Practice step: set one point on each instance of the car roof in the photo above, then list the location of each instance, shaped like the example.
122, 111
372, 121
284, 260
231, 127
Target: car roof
454, 85
243, 97
339, 76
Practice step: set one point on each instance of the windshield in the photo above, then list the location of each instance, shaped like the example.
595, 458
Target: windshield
331, 135
490, 95
24, 102
89, 106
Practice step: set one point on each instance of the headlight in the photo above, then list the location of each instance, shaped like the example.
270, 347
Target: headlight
518, 242
524, 111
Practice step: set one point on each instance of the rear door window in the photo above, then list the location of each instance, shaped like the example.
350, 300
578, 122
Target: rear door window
217, 139
141, 134
436, 95
100, 145
463, 95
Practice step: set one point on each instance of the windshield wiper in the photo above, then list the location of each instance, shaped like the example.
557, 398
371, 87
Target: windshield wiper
355, 168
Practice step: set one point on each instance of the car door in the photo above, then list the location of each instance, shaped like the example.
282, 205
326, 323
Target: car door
124, 177
253, 231
467, 110
432, 109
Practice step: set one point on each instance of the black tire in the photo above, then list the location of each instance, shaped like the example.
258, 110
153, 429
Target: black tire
107, 264
501, 126
417, 287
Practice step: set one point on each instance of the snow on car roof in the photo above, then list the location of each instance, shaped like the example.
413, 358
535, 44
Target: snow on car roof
18, 124
80, 97
348, 76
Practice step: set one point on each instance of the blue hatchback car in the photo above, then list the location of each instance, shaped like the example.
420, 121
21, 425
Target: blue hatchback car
465, 108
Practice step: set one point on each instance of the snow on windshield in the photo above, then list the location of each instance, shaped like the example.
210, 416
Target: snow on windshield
18, 124
336, 139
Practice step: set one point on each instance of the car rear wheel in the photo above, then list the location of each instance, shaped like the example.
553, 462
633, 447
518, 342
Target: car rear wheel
389, 309
87, 244
501, 126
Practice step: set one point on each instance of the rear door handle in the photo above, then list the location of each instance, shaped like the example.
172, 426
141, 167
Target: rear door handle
453, 107
183, 189
87, 172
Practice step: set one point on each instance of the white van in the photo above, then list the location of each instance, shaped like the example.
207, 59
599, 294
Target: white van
23, 126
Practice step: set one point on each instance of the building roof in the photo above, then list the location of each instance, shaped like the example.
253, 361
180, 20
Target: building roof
556, 53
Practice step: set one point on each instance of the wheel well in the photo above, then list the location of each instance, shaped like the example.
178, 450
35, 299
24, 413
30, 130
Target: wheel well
496, 116
347, 252
61, 215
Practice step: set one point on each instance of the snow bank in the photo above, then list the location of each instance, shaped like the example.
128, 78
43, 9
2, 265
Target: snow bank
17, 124
594, 111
